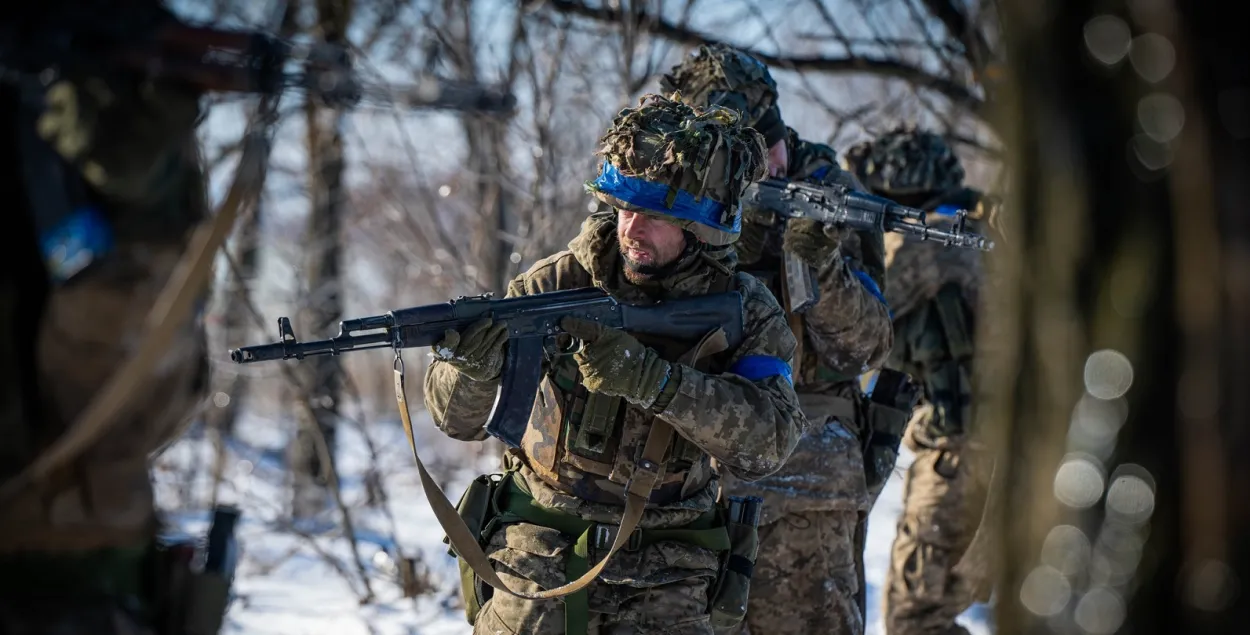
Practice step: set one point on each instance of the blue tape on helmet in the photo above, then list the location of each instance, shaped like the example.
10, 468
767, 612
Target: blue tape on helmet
653, 197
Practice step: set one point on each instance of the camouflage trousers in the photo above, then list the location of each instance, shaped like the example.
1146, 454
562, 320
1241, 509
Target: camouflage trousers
62, 616
805, 578
943, 499
660, 589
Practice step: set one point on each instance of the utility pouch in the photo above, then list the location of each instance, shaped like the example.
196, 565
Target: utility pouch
190, 590
729, 602
891, 402
478, 509
889, 406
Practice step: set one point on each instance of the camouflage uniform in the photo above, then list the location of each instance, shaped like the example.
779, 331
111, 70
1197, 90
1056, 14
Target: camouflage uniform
580, 447
809, 575
72, 549
933, 292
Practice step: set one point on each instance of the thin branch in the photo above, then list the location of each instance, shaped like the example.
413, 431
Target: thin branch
954, 90
977, 50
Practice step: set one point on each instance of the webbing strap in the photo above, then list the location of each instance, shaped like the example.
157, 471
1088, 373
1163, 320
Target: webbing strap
705, 531
648, 471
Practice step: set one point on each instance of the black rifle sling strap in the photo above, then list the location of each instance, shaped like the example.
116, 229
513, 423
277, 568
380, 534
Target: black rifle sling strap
647, 472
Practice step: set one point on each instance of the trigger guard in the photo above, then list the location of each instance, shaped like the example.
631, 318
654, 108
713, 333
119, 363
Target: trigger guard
573, 347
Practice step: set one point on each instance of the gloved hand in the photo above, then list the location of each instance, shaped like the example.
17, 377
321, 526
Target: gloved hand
613, 363
477, 352
812, 241
757, 224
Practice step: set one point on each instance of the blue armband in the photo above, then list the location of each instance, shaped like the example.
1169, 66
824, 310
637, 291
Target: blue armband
757, 367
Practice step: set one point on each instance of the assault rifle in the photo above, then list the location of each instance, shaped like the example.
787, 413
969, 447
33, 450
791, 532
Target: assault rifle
155, 45
533, 326
842, 205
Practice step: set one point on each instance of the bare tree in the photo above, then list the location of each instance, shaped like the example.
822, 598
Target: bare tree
322, 247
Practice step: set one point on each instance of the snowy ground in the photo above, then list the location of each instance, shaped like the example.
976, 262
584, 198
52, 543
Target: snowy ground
303, 580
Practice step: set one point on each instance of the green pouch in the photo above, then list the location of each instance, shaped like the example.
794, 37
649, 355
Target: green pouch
477, 509
729, 602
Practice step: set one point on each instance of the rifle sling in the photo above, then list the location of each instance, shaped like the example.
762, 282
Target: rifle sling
647, 472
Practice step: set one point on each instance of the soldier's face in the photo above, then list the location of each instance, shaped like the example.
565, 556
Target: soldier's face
778, 160
648, 244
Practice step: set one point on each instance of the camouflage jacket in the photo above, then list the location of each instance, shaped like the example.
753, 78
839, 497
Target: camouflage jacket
934, 292
749, 425
137, 162
846, 333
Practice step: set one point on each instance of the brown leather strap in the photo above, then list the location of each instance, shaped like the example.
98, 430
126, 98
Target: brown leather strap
466, 545
171, 311
647, 472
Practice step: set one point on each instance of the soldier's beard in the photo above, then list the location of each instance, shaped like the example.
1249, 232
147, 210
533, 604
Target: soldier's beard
644, 263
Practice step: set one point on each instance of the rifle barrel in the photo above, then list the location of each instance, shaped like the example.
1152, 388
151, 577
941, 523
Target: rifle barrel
300, 350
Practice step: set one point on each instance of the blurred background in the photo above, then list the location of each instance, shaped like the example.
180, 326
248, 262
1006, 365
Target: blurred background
1116, 132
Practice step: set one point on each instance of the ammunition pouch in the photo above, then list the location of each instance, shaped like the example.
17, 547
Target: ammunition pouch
889, 408
479, 508
728, 604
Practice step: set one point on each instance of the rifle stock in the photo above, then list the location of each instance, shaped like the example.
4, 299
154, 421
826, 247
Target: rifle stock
533, 326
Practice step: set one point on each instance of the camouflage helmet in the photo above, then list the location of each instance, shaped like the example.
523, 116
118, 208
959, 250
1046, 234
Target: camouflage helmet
684, 164
718, 75
906, 160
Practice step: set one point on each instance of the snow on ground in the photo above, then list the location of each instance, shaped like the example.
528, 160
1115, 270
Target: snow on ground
303, 579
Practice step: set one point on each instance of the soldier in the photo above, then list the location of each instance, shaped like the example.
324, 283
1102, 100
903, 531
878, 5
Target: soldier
933, 292
809, 574
73, 548
673, 175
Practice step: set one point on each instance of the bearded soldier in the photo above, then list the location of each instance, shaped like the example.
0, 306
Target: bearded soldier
674, 176
808, 576
105, 184
933, 292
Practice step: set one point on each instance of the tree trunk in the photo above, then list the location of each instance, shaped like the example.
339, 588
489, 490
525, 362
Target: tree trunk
322, 245
492, 248
1123, 300
492, 244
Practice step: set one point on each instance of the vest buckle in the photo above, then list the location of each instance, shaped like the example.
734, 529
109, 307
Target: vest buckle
604, 535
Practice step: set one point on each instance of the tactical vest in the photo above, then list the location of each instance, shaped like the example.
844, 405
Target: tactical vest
585, 444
